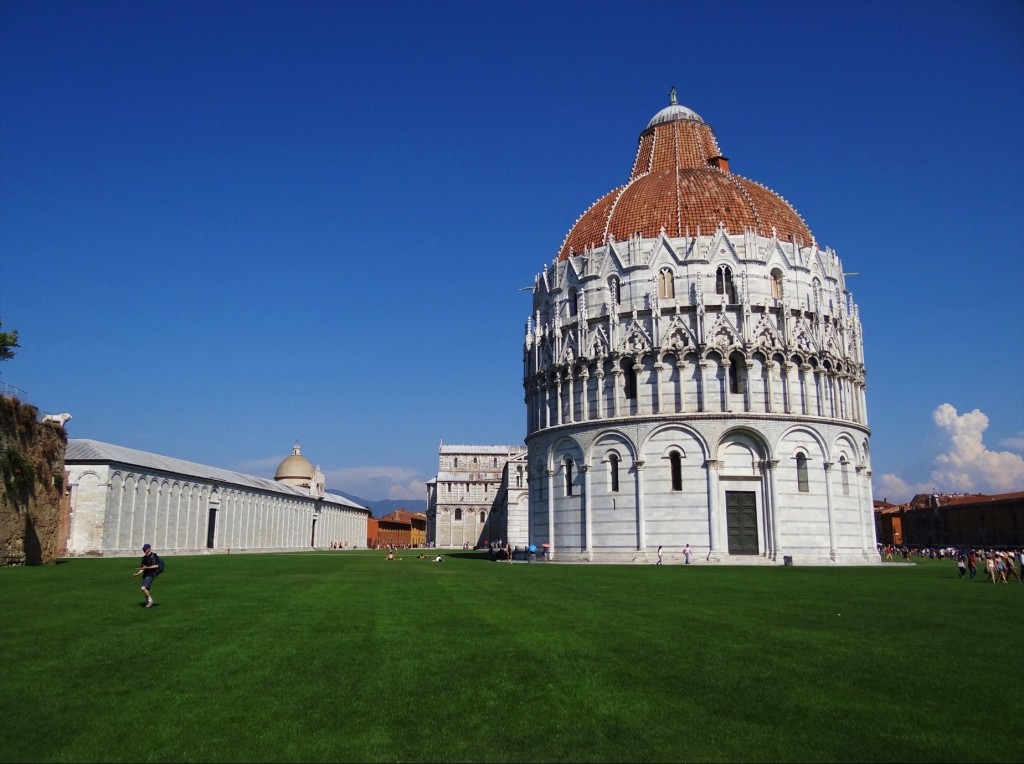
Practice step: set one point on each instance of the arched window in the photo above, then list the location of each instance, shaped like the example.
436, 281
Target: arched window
571, 302
613, 472
676, 463
844, 472
666, 284
629, 379
483, 516
803, 483
458, 514
456, 462
776, 284
724, 285
737, 367
568, 476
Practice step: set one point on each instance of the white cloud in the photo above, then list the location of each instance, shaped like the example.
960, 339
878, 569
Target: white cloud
894, 489
1014, 442
965, 466
375, 483
968, 466
266, 466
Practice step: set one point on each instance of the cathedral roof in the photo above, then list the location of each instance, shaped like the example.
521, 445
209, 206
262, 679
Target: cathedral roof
681, 183
82, 451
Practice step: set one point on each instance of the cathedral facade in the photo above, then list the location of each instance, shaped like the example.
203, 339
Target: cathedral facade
478, 497
694, 374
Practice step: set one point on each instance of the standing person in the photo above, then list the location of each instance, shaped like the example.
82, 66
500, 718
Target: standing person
686, 553
961, 565
972, 563
990, 566
508, 551
1011, 566
1001, 567
150, 567
659, 554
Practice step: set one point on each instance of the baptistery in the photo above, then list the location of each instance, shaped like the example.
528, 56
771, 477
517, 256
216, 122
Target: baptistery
694, 374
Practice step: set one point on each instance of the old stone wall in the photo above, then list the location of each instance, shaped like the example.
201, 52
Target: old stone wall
34, 511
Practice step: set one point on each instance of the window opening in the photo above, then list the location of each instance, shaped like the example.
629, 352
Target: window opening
724, 285
666, 284
802, 482
629, 379
676, 462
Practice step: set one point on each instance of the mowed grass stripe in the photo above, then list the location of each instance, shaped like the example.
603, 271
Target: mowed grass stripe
349, 657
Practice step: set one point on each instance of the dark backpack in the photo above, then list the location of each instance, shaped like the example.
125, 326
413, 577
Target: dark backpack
160, 562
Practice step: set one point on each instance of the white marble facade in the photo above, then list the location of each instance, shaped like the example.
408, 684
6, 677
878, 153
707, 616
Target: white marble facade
697, 385
478, 496
122, 498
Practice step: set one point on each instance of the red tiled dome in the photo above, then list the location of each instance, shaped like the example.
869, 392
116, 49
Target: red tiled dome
681, 182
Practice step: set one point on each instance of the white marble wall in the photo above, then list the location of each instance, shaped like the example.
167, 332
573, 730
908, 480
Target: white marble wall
736, 383
116, 509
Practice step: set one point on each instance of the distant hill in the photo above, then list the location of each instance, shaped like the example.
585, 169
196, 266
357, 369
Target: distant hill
384, 506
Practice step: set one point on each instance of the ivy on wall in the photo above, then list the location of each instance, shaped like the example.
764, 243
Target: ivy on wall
17, 476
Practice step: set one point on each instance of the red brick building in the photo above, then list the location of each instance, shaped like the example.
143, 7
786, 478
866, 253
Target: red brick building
401, 528
944, 520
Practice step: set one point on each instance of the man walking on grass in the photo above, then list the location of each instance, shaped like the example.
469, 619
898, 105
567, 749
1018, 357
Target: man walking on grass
150, 567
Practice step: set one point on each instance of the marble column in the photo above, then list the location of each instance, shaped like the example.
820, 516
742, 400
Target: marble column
641, 508
714, 511
831, 511
551, 513
588, 520
773, 498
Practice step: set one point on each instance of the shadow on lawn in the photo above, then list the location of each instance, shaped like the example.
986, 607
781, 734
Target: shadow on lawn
479, 555
482, 555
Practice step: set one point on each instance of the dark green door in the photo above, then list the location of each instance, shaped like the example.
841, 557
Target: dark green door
741, 518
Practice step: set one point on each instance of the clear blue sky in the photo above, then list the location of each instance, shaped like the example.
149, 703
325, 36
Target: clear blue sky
229, 226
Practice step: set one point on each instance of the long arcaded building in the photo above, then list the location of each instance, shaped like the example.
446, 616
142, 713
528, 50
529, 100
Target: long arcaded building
122, 498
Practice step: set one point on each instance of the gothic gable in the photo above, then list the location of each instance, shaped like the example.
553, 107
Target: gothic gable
766, 335
614, 259
723, 333
598, 344
721, 248
569, 350
677, 336
664, 254
802, 337
776, 256
636, 340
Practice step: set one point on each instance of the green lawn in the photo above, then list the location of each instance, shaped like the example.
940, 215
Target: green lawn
344, 656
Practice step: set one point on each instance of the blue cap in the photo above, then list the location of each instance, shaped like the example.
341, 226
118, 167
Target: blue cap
146, 547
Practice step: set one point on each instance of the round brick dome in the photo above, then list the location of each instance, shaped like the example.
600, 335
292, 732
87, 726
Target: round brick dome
681, 183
